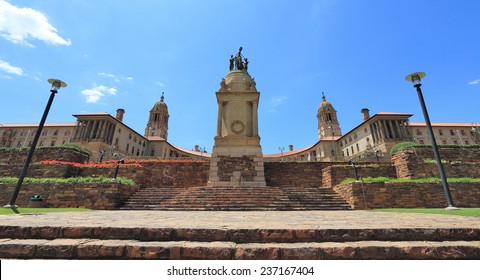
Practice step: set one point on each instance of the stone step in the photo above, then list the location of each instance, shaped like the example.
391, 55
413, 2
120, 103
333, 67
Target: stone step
241, 235
236, 198
230, 208
234, 208
185, 250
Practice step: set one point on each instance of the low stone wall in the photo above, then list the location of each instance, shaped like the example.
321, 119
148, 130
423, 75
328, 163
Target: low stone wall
408, 195
335, 174
41, 171
295, 174
105, 196
18, 157
178, 174
418, 162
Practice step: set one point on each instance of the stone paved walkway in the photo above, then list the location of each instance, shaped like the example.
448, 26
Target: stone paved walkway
242, 220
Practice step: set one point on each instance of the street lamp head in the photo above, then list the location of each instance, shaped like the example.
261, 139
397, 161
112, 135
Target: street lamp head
56, 84
415, 77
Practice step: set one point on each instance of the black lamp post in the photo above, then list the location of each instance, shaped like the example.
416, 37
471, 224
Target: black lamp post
121, 161
350, 162
56, 85
281, 152
415, 79
102, 154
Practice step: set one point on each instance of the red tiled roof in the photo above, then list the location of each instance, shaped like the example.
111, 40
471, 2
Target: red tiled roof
289, 153
450, 124
36, 124
195, 153
155, 138
392, 113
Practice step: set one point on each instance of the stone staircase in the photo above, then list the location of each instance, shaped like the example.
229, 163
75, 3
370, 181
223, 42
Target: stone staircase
239, 198
86, 242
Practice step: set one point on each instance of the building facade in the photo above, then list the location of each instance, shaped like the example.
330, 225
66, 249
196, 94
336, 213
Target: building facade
110, 137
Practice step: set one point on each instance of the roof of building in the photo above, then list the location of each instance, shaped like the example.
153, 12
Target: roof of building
377, 115
155, 138
13, 125
194, 153
392, 114
160, 104
289, 153
446, 124
105, 114
93, 114
325, 104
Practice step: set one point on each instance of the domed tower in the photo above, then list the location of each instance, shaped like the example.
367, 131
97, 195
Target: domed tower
327, 120
158, 121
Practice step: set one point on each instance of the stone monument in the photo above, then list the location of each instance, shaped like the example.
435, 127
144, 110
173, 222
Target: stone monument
237, 158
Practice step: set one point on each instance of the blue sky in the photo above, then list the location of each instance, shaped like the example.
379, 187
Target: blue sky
124, 54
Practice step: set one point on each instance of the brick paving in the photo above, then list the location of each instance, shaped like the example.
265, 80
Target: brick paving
241, 220
239, 235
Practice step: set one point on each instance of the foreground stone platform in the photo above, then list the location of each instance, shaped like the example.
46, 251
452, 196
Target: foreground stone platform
239, 235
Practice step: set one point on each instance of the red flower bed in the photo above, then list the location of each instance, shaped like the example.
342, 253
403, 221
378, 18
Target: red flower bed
113, 163
109, 163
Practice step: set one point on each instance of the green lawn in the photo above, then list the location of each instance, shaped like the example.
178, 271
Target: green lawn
5, 211
475, 212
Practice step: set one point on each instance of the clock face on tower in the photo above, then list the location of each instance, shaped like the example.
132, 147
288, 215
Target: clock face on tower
237, 127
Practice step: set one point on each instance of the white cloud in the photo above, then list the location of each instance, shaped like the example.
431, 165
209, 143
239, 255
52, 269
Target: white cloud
275, 102
22, 24
474, 82
115, 77
94, 94
5, 66
160, 84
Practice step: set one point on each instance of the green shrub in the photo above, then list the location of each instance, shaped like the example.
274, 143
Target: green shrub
406, 145
68, 146
422, 180
402, 146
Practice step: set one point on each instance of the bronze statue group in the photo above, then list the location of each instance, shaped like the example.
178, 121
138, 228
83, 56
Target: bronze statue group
237, 62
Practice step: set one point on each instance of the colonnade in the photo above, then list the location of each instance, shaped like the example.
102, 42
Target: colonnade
88, 130
389, 129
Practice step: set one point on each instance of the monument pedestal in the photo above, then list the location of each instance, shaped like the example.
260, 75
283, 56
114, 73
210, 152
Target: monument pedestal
237, 166
237, 158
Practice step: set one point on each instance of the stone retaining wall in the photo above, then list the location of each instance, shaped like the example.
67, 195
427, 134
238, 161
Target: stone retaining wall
335, 174
418, 162
105, 196
36, 170
295, 174
18, 157
408, 195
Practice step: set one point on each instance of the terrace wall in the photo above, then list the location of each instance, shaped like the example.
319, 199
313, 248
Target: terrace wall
105, 196
417, 162
408, 195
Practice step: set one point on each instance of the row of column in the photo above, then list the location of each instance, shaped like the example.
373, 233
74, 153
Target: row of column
220, 118
389, 129
255, 117
94, 130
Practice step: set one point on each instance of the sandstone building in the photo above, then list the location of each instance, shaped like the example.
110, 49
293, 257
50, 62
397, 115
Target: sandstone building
370, 140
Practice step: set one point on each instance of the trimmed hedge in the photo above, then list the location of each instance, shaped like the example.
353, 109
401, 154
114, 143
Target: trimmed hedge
68, 146
406, 145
